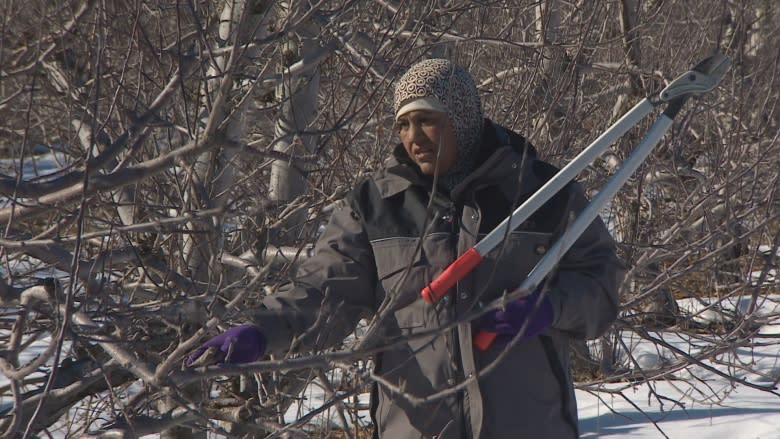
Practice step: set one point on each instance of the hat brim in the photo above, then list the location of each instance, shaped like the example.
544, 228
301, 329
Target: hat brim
428, 103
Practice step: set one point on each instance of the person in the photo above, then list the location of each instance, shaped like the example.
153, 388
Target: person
454, 176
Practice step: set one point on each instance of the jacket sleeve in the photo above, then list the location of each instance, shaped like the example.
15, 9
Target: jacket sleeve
330, 292
584, 290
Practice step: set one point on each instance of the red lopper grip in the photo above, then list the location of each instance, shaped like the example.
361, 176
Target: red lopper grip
484, 339
454, 272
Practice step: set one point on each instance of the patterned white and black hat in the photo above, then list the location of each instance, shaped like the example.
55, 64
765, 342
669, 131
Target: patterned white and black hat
440, 85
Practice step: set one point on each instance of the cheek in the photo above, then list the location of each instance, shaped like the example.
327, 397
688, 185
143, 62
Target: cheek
434, 135
405, 140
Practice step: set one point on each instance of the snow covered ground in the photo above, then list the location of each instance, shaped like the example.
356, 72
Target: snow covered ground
715, 408
745, 414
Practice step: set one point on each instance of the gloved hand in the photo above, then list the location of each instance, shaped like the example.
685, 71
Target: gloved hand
506, 323
241, 344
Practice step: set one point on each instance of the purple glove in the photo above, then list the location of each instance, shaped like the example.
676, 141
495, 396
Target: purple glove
507, 322
241, 344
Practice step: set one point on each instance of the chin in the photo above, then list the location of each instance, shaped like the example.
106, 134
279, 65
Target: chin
426, 168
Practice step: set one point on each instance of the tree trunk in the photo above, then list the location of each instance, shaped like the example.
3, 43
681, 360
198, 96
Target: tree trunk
213, 172
298, 97
553, 65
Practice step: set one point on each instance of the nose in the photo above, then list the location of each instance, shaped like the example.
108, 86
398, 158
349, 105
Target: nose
415, 132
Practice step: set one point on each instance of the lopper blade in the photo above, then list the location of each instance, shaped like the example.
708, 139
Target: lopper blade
701, 79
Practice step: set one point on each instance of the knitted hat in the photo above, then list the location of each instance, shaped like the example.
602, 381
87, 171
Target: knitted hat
439, 85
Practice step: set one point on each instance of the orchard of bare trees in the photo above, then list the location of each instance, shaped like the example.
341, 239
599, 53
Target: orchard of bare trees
164, 164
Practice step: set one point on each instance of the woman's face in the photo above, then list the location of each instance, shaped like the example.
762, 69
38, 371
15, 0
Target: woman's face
428, 137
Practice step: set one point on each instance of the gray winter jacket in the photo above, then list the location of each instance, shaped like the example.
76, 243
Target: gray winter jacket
390, 237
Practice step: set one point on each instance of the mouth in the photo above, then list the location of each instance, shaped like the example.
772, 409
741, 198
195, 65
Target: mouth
425, 154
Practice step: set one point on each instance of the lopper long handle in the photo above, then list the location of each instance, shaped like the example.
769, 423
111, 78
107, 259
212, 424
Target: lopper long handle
451, 275
484, 339
586, 217
706, 76
471, 258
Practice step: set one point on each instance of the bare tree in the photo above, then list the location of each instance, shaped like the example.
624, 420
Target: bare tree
165, 164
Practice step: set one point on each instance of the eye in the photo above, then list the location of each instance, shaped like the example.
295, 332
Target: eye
402, 125
430, 120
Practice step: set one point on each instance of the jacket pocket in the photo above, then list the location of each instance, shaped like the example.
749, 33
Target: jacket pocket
527, 393
403, 270
404, 266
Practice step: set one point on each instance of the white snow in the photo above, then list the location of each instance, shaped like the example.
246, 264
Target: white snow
710, 406
744, 414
